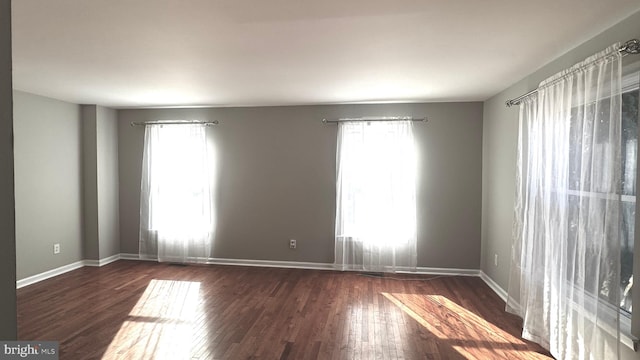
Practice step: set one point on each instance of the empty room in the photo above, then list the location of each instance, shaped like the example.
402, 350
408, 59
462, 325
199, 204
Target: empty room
319, 180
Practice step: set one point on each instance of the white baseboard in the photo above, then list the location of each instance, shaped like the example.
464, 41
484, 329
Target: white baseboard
494, 286
272, 263
49, 274
64, 269
124, 256
316, 266
102, 262
246, 262
445, 271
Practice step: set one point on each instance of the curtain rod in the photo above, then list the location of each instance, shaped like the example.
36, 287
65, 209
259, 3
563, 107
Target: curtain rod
174, 122
631, 47
389, 118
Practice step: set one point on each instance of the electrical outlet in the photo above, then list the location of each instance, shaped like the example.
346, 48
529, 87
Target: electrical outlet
495, 259
292, 244
56, 248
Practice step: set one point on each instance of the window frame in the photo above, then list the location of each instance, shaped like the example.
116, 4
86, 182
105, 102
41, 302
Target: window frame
630, 83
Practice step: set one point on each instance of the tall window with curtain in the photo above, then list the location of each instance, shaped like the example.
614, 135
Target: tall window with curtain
376, 196
575, 206
177, 194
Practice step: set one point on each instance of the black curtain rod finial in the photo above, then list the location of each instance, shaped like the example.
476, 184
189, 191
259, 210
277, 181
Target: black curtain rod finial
631, 47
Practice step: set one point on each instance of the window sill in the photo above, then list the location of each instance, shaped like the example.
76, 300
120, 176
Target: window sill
629, 340
625, 332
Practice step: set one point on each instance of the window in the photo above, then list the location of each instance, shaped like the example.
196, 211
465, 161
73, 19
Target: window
569, 210
629, 164
376, 200
176, 205
627, 191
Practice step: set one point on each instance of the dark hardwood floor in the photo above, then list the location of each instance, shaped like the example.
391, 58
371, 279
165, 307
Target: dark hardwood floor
142, 310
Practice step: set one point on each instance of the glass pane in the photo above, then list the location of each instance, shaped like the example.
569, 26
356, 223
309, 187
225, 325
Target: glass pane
629, 161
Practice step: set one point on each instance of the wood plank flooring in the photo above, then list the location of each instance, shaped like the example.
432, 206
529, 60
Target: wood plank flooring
146, 310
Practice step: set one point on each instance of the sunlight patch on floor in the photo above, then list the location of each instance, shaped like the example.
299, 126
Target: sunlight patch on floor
162, 323
457, 326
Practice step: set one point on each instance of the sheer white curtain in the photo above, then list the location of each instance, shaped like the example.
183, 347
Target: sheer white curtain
176, 201
565, 271
376, 196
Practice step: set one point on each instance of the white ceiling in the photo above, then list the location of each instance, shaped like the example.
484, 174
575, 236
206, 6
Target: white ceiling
139, 53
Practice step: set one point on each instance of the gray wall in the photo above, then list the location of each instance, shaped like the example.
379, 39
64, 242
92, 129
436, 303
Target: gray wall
100, 168
276, 182
91, 246
108, 182
48, 187
8, 319
500, 129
